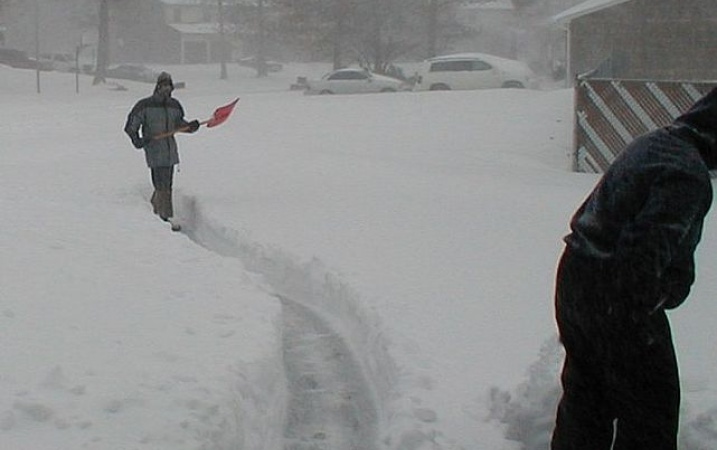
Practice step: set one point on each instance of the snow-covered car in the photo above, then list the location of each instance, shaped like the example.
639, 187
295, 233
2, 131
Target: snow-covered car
473, 71
61, 62
352, 81
19, 60
252, 61
135, 72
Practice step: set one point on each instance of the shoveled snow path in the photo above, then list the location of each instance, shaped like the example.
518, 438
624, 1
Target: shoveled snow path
330, 404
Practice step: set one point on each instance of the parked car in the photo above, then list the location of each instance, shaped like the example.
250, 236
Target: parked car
61, 62
352, 81
473, 71
134, 72
19, 60
251, 61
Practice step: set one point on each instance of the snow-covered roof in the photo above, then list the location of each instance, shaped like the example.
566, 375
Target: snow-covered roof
193, 2
464, 55
491, 5
585, 8
201, 28
182, 2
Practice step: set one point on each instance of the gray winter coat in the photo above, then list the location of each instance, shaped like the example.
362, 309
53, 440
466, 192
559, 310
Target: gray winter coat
152, 116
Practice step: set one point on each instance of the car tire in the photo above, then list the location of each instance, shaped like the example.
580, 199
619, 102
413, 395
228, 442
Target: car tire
513, 84
440, 87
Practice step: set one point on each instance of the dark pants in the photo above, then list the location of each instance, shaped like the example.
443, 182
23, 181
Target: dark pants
162, 196
620, 378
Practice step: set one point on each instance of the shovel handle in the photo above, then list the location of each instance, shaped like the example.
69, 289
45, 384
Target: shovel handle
167, 134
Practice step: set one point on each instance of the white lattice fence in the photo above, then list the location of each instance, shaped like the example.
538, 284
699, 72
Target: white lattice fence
611, 113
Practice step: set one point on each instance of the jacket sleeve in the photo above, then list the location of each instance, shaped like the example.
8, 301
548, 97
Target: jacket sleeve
133, 125
677, 282
179, 120
651, 248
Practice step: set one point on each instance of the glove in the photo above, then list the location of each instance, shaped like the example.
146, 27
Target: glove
675, 295
141, 142
193, 126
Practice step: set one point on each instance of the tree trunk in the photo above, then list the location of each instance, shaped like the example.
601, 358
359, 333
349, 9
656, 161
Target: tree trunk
261, 69
432, 31
223, 75
103, 46
339, 20
376, 38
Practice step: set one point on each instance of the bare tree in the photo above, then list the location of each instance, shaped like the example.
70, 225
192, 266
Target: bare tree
344, 29
388, 31
255, 27
373, 32
319, 28
432, 11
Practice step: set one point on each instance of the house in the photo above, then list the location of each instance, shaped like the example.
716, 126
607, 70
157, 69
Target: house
636, 65
141, 31
641, 39
171, 32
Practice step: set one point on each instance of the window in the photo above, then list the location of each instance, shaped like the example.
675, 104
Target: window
461, 65
481, 65
348, 75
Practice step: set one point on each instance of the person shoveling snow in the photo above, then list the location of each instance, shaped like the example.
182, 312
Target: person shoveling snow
159, 117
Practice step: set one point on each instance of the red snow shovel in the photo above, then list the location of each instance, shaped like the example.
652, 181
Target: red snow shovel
220, 116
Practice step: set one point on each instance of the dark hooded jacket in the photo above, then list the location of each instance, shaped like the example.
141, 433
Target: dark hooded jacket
643, 221
155, 115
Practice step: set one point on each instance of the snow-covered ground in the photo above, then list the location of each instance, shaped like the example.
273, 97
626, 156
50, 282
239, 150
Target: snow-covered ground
368, 272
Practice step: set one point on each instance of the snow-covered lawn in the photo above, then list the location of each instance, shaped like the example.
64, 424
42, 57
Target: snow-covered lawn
399, 246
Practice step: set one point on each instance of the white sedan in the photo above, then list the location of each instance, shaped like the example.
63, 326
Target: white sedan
352, 81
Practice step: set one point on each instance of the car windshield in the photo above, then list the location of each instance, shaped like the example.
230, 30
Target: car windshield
463, 65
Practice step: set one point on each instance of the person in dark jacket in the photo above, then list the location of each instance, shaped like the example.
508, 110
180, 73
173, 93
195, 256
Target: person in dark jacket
155, 117
628, 258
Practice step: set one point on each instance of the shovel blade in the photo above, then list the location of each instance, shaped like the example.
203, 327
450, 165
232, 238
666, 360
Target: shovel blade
221, 114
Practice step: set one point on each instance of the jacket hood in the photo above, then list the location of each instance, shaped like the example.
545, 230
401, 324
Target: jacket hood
165, 85
701, 121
